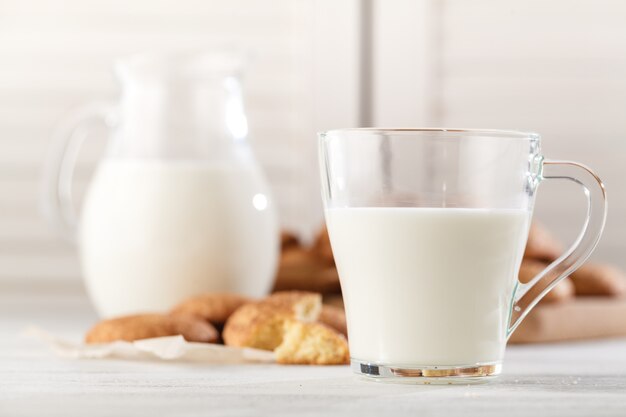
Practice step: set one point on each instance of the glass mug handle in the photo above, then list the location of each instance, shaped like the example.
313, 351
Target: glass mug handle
65, 144
587, 240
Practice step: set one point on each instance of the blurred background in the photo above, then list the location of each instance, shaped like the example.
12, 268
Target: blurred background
556, 67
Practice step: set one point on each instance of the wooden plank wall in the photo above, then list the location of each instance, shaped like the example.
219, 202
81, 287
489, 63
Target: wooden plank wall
556, 67
57, 55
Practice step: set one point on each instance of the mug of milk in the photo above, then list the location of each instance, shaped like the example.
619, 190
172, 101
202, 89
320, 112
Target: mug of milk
428, 228
178, 204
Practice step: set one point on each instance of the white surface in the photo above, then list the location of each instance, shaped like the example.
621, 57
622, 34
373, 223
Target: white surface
571, 380
444, 286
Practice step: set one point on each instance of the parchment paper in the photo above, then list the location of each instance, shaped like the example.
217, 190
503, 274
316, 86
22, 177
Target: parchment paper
171, 348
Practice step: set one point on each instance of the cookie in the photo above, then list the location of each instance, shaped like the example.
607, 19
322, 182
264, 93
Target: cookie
288, 240
333, 300
322, 247
334, 317
145, 326
306, 305
214, 308
599, 279
564, 290
261, 324
301, 269
312, 344
542, 245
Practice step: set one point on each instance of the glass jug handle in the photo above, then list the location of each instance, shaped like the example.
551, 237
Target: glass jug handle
65, 144
585, 243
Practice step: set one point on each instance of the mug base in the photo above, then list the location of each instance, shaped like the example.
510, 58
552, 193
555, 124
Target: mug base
440, 375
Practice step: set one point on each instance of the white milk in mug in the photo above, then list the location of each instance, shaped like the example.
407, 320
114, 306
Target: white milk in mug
427, 285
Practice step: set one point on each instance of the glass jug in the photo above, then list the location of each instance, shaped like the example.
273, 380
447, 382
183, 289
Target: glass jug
178, 205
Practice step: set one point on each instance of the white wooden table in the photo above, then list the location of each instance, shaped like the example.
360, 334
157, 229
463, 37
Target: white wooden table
581, 379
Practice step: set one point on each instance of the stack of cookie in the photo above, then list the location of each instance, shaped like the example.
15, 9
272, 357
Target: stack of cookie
293, 324
308, 268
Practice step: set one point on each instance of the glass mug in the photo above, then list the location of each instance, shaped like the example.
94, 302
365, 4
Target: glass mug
428, 229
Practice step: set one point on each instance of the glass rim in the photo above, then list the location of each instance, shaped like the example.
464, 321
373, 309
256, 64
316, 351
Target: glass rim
504, 133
